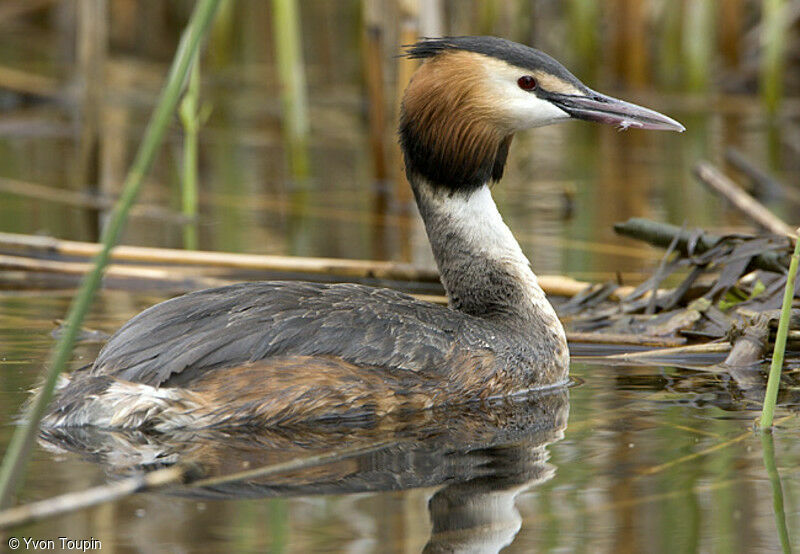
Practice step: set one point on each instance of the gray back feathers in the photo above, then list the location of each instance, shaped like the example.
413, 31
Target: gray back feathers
229, 326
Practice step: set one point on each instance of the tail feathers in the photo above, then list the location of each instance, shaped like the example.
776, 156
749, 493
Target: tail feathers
105, 402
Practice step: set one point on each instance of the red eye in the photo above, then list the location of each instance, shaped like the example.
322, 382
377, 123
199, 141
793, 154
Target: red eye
526, 82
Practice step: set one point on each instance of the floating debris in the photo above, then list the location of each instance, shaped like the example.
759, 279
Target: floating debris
729, 290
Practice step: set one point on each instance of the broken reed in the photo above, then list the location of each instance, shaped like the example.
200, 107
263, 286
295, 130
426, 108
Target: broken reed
771, 396
24, 436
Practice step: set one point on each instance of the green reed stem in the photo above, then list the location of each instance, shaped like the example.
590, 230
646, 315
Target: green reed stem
768, 448
584, 17
292, 77
698, 43
191, 120
773, 47
16, 456
771, 396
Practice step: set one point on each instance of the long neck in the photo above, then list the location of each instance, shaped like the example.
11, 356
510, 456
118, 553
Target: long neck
482, 266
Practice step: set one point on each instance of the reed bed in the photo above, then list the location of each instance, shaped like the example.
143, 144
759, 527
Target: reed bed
24, 436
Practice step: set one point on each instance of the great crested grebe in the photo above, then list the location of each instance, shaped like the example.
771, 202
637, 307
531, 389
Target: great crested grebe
281, 353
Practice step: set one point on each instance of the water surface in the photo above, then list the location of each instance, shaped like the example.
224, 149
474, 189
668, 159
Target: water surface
653, 459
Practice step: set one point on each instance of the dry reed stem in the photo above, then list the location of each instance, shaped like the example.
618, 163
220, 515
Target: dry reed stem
81, 199
609, 507
624, 338
354, 268
709, 348
161, 478
74, 501
693, 456
293, 465
555, 285
29, 83
9, 10
742, 201
692, 430
160, 275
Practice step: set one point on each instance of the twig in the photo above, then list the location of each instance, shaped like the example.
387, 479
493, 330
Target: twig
161, 275
161, 478
632, 501
15, 9
326, 266
745, 203
693, 456
560, 285
80, 199
759, 177
293, 465
709, 348
556, 285
29, 83
74, 501
624, 338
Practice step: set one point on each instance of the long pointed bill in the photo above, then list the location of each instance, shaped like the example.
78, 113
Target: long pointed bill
605, 109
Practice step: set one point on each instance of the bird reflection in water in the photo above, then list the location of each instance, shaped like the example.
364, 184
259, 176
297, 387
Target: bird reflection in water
480, 456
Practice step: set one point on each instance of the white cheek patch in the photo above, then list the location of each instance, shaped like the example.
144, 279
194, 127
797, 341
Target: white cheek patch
521, 109
532, 111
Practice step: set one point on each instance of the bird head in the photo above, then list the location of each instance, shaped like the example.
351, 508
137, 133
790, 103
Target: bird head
471, 94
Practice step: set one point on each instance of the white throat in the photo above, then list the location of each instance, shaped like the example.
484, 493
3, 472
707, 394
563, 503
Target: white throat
482, 265
476, 218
